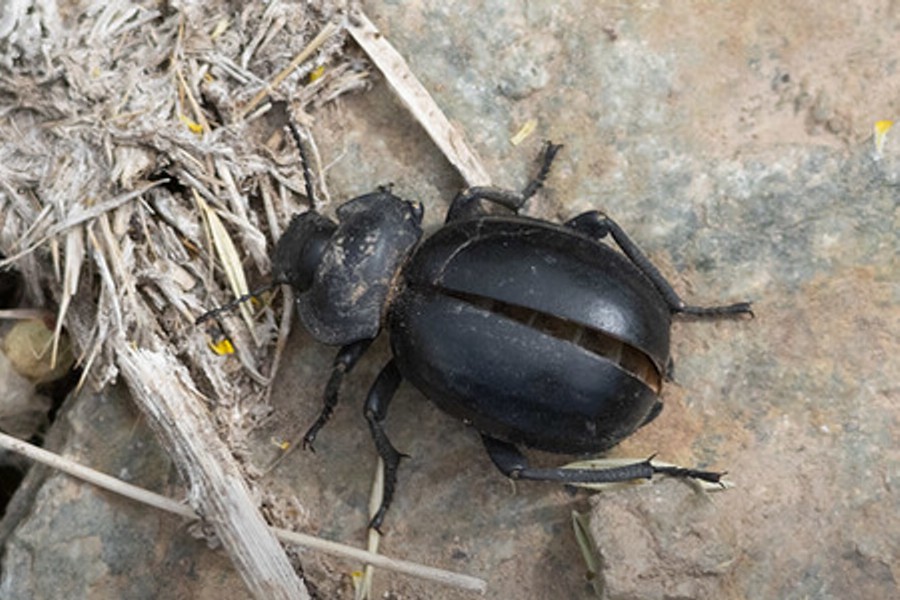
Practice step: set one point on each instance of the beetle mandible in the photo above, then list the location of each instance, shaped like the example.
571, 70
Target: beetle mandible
535, 333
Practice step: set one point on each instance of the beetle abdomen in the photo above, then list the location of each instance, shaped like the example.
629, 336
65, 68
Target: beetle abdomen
511, 380
551, 270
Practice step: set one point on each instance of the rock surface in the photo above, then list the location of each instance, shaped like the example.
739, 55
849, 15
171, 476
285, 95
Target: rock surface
67, 539
732, 141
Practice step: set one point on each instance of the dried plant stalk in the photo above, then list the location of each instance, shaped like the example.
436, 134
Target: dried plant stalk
217, 487
418, 101
99, 166
149, 498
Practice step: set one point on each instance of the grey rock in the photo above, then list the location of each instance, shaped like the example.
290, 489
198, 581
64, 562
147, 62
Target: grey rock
63, 538
673, 126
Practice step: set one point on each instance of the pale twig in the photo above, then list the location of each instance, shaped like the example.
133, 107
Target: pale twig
364, 584
25, 314
82, 215
417, 100
199, 117
149, 498
228, 255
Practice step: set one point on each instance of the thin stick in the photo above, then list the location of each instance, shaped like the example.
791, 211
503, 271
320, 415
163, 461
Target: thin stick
25, 314
417, 100
143, 496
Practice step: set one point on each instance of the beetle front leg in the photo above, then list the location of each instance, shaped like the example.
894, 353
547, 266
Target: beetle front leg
514, 465
597, 225
346, 359
377, 403
467, 203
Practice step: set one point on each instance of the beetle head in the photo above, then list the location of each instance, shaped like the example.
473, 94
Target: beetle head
299, 250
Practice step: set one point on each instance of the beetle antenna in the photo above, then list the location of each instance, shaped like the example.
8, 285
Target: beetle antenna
304, 161
311, 196
235, 303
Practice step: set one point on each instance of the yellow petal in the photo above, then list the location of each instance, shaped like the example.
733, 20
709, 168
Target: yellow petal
281, 444
317, 73
192, 125
881, 129
222, 346
523, 133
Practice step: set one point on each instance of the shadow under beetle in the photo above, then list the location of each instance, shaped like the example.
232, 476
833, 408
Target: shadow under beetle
535, 333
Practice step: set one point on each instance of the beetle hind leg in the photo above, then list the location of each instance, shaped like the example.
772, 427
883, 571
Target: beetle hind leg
514, 465
377, 403
467, 204
597, 225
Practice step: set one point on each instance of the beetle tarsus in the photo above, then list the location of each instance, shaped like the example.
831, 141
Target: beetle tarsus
512, 463
740, 308
684, 473
549, 153
467, 205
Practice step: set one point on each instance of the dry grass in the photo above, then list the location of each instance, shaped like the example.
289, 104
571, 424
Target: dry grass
142, 170
130, 182
144, 173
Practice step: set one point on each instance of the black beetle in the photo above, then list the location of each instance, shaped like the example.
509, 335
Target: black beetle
535, 333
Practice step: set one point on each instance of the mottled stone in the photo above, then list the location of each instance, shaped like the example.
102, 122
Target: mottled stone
63, 538
689, 123
733, 142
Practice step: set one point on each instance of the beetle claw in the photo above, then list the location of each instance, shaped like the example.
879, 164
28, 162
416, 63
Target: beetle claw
681, 472
308, 440
377, 521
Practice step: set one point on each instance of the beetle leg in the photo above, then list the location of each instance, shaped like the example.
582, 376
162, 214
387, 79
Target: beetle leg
514, 465
549, 152
467, 205
346, 359
597, 225
377, 403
